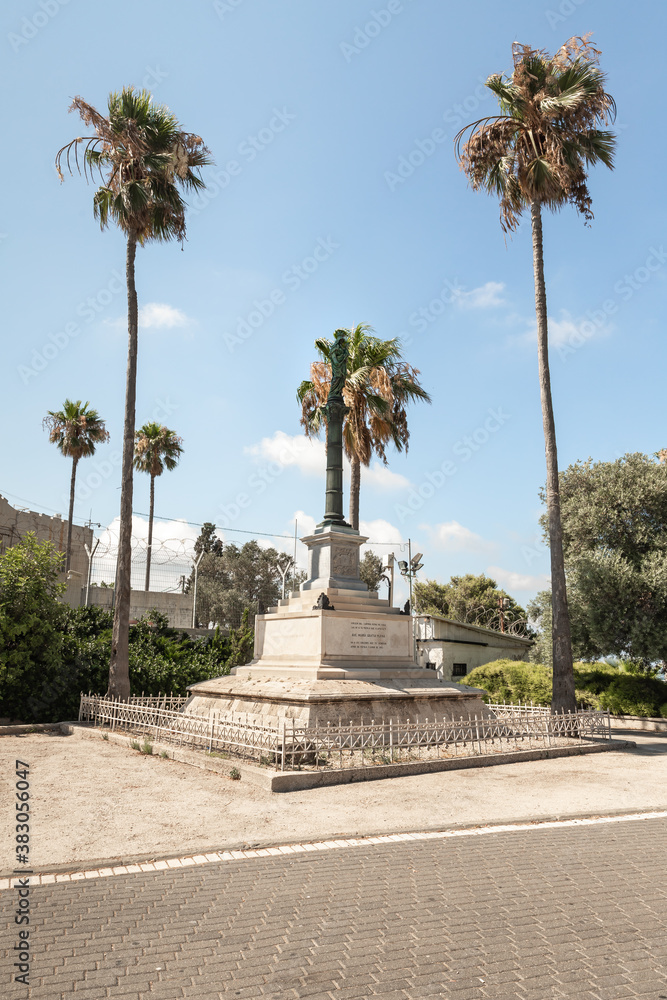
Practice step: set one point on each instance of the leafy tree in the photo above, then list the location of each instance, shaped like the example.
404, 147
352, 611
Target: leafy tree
208, 541
143, 158
378, 388
472, 599
156, 448
536, 153
615, 543
371, 570
235, 580
76, 430
539, 613
31, 618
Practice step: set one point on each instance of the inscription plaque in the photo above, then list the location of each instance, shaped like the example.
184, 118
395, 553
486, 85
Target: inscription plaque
368, 636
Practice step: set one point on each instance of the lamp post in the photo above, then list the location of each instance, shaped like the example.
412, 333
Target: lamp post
504, 605
410, 569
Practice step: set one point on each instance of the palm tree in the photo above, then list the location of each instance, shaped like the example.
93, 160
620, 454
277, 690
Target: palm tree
537, 152
378, 388
142, 156
75, 430
156, 448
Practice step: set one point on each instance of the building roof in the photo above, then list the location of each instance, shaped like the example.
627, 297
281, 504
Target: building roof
479, 630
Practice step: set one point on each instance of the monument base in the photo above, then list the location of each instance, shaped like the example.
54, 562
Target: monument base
316, 702
332, 652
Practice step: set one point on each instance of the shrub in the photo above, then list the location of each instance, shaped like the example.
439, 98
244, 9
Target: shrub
50, 653
599, 685
31, 639
513, 681
634, 694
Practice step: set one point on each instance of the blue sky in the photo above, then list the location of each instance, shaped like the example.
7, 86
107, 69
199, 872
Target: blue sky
335, 199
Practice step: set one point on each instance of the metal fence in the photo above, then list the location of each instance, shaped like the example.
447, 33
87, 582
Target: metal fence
288, 744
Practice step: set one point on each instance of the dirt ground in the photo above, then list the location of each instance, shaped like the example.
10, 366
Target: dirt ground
95, 801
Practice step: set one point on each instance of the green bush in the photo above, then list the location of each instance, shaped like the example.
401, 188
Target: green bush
513, 681
634, 694
50, 653
599, 685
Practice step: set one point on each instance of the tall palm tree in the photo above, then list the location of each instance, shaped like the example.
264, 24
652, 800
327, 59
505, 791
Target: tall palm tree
156, 448
143, 157
378, 388
76, 430
536, 153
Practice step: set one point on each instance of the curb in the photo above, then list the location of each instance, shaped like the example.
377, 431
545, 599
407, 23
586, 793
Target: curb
292, 781
32, 727
128, 866
650, 725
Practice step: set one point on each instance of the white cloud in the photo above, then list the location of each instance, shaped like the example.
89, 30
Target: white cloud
155, 316
380, 476
454, 537
487, 296
308, 455
565, 331
518, 581
286, 450
160, 316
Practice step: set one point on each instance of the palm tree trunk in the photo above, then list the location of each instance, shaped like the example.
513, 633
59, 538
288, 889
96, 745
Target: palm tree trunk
563, 697
355, 484
150, 535
119, 669
71, 516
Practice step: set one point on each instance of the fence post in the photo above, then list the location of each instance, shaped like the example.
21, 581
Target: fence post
282, 755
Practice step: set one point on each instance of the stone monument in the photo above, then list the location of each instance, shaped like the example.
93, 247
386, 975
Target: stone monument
333, 650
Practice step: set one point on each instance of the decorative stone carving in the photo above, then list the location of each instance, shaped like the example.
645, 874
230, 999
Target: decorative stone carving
344, 561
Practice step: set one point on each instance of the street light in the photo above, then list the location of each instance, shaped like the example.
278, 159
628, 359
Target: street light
409, 569
504, 605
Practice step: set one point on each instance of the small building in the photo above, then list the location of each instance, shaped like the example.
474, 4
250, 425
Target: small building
454, 648
15, 523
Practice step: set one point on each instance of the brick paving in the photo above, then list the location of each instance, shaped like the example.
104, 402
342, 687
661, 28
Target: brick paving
538, 915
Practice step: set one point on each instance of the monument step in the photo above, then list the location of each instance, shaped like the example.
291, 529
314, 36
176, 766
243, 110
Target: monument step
362, 607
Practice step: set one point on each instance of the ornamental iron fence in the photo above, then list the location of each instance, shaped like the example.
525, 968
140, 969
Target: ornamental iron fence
287, 744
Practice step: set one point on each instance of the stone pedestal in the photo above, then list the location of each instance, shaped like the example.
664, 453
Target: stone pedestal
351, 660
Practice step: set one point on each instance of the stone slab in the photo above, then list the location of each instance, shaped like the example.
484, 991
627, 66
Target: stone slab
414, 698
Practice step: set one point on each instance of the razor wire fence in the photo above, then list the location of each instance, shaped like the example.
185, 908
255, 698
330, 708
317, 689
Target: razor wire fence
287, 744
189, 587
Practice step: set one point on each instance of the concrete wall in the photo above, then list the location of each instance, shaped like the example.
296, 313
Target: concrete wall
177, 607
442, 642
14, 524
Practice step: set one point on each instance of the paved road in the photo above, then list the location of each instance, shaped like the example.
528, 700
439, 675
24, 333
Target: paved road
540, 914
